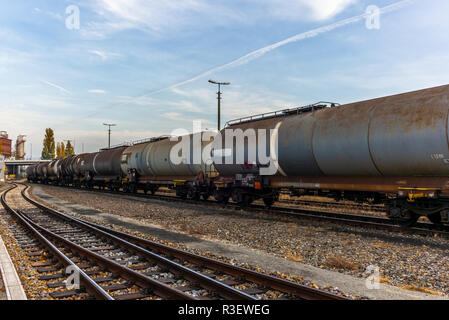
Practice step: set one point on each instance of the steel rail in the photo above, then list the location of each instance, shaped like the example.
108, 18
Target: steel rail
138, 243
224, 290
140, 279
91, 286
282, 285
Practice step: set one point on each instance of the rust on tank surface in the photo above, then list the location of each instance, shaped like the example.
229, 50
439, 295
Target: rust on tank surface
107, 162
417, 110
367, 184
393, 135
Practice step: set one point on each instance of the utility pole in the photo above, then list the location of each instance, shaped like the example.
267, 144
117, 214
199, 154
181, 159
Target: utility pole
109, 125
219, 98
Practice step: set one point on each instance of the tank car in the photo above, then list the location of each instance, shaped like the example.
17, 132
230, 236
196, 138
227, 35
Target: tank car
77, 169
392, 150
53, 171
42, 171
105, 168
148, 165
31, 172
87, 168
66, 171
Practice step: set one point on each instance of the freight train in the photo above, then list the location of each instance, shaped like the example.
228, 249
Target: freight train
392, 150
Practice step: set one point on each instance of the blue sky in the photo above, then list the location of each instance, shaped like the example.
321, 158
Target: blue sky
136, 63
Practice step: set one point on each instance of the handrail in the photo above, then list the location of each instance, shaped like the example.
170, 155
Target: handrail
283, 113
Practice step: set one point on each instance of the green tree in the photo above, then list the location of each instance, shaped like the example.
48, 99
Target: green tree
60, 150
69, 151
48, 152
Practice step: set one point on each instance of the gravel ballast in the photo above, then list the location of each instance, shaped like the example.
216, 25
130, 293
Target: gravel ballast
407, 261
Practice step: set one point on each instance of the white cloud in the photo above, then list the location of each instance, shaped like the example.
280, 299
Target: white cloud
161, 17
104, 55
299, 37
237, 101
51, 14
97, 91
312, 10
172, 115
154, 16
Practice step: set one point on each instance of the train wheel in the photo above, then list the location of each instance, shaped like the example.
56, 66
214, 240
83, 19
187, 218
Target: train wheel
193, 195
221, 196
205, 196
410, 220
245, 200
435, 217
268, 201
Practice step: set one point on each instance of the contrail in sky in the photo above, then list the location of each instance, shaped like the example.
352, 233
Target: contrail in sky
56, 86
262, 51
302, 36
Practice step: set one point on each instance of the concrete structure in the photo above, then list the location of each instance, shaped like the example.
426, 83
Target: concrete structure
18, 167
20, 147
11, 280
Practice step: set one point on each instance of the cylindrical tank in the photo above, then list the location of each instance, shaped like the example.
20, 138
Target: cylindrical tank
107, 162
42, 169
230, 150
153, 158
77, 164
53, 168
66, 169
72, 165
31, 171
59, 167
87, 163
400, 135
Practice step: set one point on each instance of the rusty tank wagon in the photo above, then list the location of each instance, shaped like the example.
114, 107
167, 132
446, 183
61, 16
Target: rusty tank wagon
393, 150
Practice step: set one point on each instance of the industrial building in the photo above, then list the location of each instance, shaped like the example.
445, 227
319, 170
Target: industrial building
5, 145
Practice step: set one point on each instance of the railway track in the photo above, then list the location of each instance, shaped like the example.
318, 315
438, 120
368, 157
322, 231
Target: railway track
286, 199
376, 222
421, 228
116, 266
334, 205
